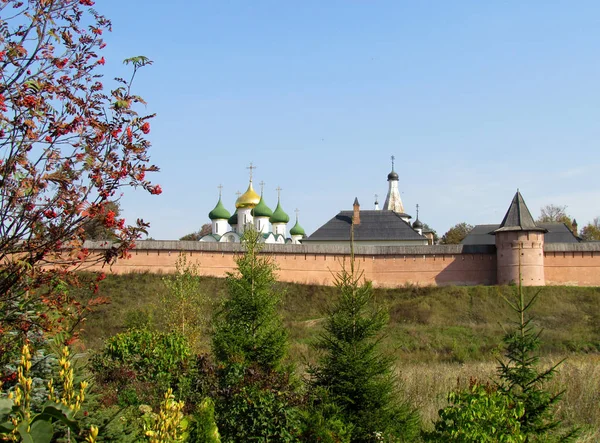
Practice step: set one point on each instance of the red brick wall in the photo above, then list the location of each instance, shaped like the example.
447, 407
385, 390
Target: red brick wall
384, 271
581, 268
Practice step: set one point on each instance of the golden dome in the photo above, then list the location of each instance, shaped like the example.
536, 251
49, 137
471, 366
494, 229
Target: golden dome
248, 199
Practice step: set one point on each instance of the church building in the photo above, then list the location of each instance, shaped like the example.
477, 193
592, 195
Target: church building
252, 210
388, 226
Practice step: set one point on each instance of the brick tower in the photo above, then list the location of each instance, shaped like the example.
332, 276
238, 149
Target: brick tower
520, 246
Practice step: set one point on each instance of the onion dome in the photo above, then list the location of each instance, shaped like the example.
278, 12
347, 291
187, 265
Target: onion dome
393, 175
297, 229
233, 220
219, 213
248, 199
261, 209
417, 224
279, 215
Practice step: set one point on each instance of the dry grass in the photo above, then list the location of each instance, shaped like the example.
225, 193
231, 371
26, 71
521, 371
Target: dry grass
427, 385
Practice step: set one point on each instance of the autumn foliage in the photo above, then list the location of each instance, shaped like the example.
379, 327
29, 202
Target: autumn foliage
68, 146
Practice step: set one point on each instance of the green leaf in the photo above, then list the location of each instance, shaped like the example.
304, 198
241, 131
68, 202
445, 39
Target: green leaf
59, 412
25, 435
6, 405
41, 431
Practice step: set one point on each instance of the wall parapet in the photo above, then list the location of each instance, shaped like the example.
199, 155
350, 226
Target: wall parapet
572, 247
182, 245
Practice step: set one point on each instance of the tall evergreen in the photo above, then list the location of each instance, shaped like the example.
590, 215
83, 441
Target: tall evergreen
359, 378
256, 401
248, 330
521, 379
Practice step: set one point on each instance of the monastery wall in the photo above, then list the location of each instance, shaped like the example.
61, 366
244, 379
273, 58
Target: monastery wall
572, 264
386, 266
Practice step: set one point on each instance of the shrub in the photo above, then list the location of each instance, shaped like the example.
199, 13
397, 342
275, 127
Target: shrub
479, 414
140, 364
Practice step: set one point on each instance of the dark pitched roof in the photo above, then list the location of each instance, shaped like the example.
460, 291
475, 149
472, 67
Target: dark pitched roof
555, 233
518, 217
374, 226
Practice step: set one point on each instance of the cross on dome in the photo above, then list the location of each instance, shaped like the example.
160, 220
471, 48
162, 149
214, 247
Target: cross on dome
262, 186
278, 189
220, 187
251, 167
393, 158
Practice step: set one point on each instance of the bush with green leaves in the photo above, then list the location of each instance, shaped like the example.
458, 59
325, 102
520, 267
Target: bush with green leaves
479, 414
359, 378
256, 399
139, 365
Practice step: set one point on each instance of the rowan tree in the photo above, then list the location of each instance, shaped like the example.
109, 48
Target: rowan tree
67, 147
456, 234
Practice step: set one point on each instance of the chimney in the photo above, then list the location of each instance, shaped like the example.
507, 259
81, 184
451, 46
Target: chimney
356, 216
574, 224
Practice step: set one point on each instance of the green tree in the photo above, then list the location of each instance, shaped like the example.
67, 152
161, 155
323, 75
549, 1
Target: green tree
195, 236
359, 378
591, 231
522, 380
479, 414
555, 214
256, 400
184, 306
456, 234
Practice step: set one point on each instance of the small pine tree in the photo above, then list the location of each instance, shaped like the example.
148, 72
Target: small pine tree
521, 379
359, 378
256, 401
248, 330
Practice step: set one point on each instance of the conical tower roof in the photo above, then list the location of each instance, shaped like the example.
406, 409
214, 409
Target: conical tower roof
261, 209
219, 212
518, 217
279, 215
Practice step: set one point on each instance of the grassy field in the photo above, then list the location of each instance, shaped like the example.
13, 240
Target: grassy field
438, 336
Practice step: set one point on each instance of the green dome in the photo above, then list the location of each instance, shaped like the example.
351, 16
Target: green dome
297, 229
279, 215
233, 219
261, 209
219, 213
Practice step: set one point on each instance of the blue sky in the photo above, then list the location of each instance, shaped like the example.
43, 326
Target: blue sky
475, 99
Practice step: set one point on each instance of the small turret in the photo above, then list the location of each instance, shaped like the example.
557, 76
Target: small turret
520, 246
356, 215
219, 216
261, 213
297, 232
279, 219
393, 202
